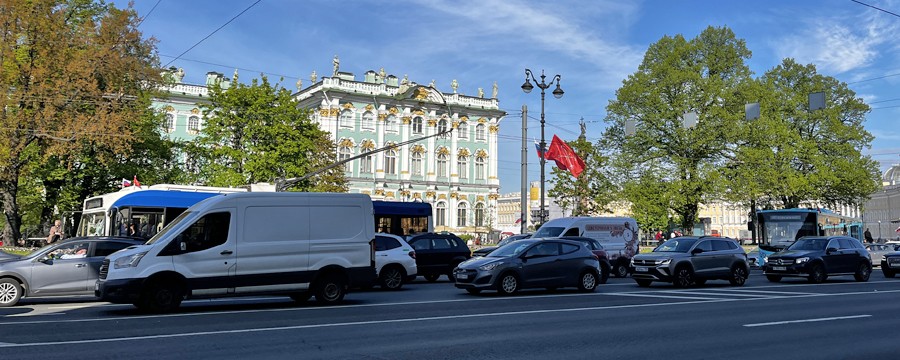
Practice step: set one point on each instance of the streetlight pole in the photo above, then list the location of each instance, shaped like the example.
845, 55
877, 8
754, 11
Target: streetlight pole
558, 93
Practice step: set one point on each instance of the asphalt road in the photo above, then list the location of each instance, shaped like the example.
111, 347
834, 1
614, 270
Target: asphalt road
841, 319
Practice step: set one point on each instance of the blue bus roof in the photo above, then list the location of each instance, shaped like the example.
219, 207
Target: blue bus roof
401, 208
161, 198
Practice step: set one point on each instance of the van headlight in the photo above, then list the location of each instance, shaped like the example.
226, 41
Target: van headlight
129, 261
490, 266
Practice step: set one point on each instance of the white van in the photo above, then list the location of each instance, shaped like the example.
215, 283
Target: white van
618, 235
298, 244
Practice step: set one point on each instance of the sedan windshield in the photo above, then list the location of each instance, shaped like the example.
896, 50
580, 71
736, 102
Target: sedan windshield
809, 244
512, 249
676, 245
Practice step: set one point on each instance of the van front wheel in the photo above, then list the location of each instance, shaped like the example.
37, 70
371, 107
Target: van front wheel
160, 298
330, 290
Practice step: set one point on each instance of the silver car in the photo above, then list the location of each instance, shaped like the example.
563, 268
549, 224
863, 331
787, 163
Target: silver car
877, 251
66, 268
688, 260
531, 263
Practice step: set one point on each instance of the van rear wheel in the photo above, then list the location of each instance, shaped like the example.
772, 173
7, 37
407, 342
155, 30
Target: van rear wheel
330, 290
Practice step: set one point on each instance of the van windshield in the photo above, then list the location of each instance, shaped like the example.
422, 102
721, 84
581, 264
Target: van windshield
168, 228
548, 232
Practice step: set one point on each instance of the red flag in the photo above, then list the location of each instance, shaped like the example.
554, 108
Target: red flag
565, 157
136, 182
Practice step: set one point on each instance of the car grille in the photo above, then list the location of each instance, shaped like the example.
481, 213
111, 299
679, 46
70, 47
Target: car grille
104, 269
894, 261
643, 262
779, 262
471, 275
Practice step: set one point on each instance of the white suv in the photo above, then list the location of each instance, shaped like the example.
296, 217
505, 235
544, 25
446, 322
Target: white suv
395, 261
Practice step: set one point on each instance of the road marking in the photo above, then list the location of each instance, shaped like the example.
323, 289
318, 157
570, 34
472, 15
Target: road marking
768, 291
7, 344
713, 293
660, 296
807, 320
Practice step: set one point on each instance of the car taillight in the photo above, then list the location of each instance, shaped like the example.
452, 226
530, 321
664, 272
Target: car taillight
412, 254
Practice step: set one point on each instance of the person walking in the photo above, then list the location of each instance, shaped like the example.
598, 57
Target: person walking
868, 236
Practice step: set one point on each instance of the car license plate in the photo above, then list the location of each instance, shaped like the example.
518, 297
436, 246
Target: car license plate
641, 269
779, 268
462, 276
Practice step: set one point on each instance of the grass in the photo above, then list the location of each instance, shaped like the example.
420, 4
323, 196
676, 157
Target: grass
16, 250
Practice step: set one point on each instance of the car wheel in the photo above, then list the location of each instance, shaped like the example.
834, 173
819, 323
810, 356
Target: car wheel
863, 272
330, 290
773, 278
887, 273
300, 297
817, 274
391, 278
10, 292
160, 298
432, 277
643, 282
474, 291
588, 282
509, 284
604, 273
620, 270
684, 277
738, 276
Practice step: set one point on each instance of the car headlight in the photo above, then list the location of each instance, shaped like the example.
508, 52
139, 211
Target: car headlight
632, 262
129, 261
664, 262
801, 260
883, 257
490, 266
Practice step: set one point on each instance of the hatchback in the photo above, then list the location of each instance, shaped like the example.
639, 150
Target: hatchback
531, 263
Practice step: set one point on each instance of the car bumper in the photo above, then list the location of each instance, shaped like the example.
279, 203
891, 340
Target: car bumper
801, 270
120, 291
657, 273
891, 264
473, 279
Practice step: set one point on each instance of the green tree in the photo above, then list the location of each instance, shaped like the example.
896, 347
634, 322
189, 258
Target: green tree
75, 73
257, 133
590, 193
677, 76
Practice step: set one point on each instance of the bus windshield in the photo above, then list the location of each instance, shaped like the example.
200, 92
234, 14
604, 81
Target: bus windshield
92, 224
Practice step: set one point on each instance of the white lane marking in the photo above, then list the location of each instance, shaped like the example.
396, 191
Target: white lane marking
660, 296
7, 344
807, 320
767, 291
713, 293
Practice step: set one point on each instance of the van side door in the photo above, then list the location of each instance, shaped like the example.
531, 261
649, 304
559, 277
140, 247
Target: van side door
274, 247
204, 253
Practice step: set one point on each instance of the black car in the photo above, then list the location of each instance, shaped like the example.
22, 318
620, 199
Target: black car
487, 249
438, 254
890, 264
817, 257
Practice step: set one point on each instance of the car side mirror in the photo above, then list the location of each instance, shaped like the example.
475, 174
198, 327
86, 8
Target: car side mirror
831, 250
696, 251
46, 259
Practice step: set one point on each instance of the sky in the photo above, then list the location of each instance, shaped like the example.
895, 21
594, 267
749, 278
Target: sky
592, 45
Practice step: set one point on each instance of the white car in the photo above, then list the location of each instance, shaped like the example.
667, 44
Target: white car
395, 261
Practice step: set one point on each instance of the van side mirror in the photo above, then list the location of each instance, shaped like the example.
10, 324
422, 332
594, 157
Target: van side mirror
696, 251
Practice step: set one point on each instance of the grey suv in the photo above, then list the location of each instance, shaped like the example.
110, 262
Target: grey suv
689, 260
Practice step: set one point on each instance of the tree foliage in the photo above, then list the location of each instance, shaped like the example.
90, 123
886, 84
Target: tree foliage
257, 133
76, 75
590, 193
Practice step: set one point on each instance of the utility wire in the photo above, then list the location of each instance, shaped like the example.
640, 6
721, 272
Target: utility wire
875, 7
212, 33
148, 13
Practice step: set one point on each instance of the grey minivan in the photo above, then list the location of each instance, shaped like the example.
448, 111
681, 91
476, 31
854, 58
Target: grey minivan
65, 268
690, 260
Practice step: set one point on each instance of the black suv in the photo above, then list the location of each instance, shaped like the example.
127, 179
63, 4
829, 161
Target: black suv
438, 254
817, 257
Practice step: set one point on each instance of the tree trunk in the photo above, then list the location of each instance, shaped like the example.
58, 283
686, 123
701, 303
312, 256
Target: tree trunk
8, 191
689, 218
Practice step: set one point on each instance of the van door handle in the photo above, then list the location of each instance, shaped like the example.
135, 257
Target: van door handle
80, 265
226, 252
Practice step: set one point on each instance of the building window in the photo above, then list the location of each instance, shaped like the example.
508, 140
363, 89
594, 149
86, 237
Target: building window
170, 123
461, 215
479, 168
346, 119
194, 124
415, 163
479, 132
417, 125
442, 160
344, 153
368, 121
441, 127
440, 214
390, 162
479, 214
462, 164
391, 124
365, 164
463, 130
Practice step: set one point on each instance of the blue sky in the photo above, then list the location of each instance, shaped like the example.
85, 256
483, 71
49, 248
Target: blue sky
593, 45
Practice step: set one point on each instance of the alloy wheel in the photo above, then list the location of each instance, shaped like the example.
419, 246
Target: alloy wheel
9, 293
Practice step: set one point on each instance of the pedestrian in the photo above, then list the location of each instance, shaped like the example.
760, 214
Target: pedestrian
868, 236
659, 237
56, 233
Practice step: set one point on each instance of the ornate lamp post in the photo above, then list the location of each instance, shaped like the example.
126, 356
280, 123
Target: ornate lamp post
557, 93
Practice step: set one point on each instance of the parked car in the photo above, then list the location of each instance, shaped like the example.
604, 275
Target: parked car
818, 257
438, 254
890, 264
66, 268
531, 263
877, 251
596, 249
487, 249
690, 260
395, 261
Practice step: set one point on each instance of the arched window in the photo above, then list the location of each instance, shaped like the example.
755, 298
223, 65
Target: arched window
461, 214
368, 121
391, 124
170, 123
417, 125
344, 153
442, 160
194, 124
479, 168
479, 132
463, 130
390, 162
440, 214
462, 166
346, 119
415, 163
442, 126
479, 214
365, 163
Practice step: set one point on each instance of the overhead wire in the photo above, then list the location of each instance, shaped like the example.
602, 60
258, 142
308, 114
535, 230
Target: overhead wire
212, 33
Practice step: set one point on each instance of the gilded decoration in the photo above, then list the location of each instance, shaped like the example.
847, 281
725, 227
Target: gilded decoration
443, 151
420, 93
493, 196
442, 197
393, 110
463, 197
455, 124
369, 107
494, 129
170, 108
389, 194
404, 192
429, 194
462, 152
335, 112
379, 192
406, 120
481, 153
453, 195
367, 192
417, 149
432, 122
367, 145
346, 143
480, 198
382, 117
348, 106
195, 111
419, 112
324, 112
482, 120
463, 118
418, 195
